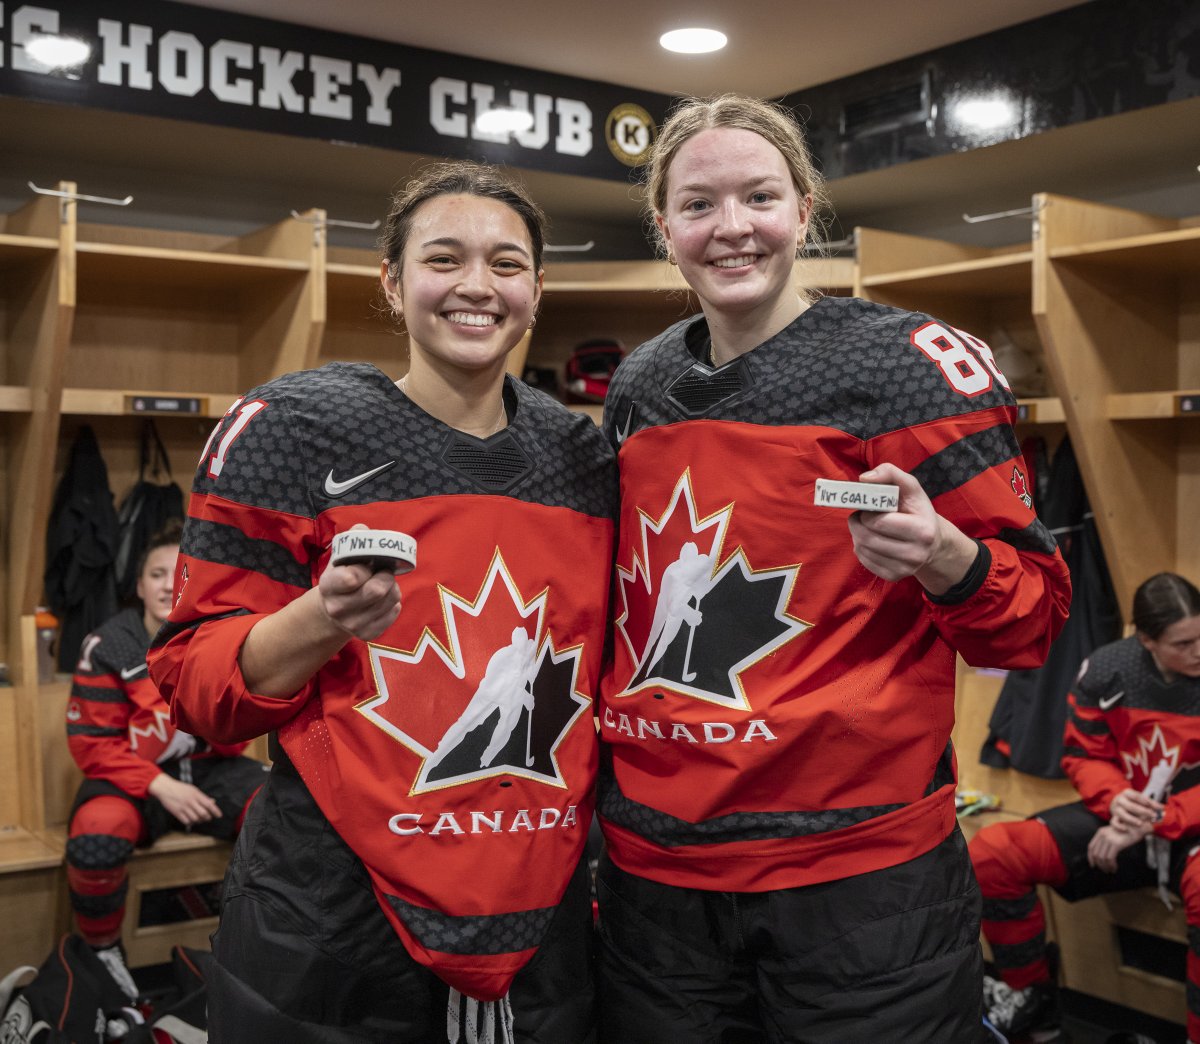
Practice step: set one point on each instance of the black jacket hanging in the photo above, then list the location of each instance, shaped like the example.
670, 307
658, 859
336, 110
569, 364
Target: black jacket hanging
146, 509
81, 541
1026, 727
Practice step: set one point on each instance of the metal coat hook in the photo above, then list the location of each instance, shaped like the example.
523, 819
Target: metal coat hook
571, 248
320, 224
370, 226
79, 196
849, 243
974, 219
67, 197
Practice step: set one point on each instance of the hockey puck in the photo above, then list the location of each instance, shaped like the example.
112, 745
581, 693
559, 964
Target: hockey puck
856, 496
380, 549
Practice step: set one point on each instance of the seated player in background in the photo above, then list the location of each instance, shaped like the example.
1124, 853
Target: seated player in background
143, 777
1132, 750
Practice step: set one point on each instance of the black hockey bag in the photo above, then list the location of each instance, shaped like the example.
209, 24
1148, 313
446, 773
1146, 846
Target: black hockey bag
70, 999
182, 1016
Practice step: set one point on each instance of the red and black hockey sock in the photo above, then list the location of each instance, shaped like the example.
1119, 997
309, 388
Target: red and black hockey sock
102, 835
1011, 860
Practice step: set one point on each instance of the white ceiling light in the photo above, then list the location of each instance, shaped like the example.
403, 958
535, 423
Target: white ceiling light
693, 41
57, 52
986, 113
504, 121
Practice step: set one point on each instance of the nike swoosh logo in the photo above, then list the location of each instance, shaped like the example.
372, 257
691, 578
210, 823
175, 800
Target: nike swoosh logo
132, 672
623, 433
334, 488
1106, 703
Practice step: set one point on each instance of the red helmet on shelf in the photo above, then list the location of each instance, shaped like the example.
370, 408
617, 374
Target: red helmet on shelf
590, 368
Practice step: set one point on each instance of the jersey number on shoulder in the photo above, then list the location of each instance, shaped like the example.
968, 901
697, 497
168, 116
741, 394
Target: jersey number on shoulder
965, 361
85, 653
246, 412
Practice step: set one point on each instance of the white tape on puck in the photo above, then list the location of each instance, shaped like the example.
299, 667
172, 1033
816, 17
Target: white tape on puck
369, 546
856, 496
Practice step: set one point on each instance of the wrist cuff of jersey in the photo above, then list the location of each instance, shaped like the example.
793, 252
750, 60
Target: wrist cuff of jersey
970, 583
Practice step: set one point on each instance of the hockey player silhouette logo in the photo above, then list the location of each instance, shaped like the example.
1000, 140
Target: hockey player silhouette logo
695, 615
492, 696
505, 690
684, 584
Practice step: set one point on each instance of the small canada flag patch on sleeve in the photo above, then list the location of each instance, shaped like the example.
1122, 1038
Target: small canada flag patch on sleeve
1020, 488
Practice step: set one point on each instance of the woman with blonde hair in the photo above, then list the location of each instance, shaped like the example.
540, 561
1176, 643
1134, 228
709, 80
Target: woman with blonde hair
777, 798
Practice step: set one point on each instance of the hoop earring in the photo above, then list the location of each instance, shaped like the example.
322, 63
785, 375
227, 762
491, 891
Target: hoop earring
671, 258
533, 321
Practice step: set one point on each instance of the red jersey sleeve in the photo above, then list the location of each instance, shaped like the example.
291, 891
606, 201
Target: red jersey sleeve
1091, 754
99, 713
1181, 817
240, 560
971, 467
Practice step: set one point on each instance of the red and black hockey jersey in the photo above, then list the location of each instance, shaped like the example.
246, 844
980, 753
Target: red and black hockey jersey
1124, 720
777, 714
467, 801
118, 727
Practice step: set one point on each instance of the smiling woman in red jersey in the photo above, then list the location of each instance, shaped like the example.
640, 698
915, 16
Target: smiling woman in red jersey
777, 793
413, 871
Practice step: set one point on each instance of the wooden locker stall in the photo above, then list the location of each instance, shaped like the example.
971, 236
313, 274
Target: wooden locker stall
1117, 302
37, 295
1109, 300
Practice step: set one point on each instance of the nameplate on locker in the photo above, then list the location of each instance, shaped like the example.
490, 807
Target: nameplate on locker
187, 405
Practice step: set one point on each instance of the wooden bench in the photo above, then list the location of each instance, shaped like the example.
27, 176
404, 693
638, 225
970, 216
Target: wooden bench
33, 896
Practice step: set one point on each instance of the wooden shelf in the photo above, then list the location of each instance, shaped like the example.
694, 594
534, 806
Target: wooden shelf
1005, 275
1040, 411
115, 402
23, 248
616, 277
353, 293
1114, 305
15, 400
606, 277
1152, 405
1170, 252
22, 850
338, 271
100, 263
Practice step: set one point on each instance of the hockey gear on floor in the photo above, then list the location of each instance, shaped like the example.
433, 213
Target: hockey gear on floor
72, 992
114, 960
1031, 1014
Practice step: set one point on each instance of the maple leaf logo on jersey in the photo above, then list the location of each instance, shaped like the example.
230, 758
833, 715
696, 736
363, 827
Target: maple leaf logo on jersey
1150, 753
164, 741
1019, 487
693, 617
495, 697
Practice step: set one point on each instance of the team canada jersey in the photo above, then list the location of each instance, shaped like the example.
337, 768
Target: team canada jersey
1124, 721
777, 715
118, 727
456, 753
